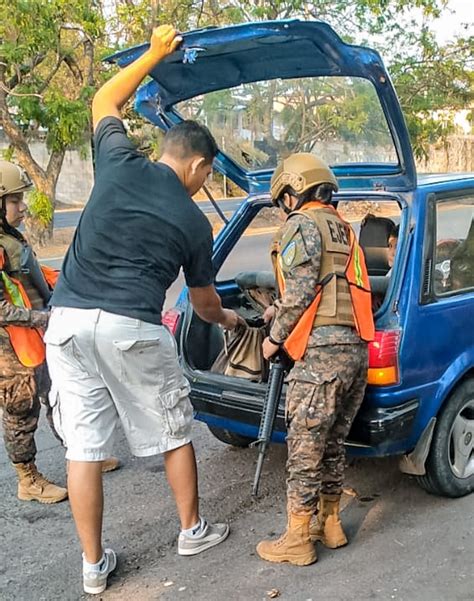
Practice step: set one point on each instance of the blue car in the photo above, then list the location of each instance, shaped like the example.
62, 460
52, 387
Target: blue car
266, 90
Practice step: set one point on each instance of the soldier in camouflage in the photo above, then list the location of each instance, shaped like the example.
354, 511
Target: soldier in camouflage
326, 386
21, 388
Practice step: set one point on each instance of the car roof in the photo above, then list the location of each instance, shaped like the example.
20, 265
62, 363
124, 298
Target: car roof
427, 179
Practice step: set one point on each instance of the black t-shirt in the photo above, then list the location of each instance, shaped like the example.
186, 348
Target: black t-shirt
138, 229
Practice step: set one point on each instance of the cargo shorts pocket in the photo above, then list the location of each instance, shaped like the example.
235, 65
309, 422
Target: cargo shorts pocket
139, 361
67, 350
177, 411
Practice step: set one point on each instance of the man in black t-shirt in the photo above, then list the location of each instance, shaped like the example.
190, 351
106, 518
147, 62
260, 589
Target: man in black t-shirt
109, 356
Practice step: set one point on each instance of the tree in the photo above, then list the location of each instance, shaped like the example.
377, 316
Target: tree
433, 83
47, 76
432, 80
50, 66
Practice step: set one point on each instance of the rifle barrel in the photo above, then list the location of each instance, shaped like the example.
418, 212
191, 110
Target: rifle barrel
267, 421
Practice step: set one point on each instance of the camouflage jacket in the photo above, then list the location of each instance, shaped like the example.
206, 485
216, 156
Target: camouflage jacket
12, 315
300, 253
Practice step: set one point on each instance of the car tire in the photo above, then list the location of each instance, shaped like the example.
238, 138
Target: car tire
231, 438
450, 463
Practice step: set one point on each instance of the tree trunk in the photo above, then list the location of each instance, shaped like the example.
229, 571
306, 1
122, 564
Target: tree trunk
39, 226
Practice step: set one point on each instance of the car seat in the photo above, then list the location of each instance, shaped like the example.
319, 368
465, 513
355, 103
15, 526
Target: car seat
373, 238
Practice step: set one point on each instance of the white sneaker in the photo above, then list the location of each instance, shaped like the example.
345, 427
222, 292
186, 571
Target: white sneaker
212, 535
95, 581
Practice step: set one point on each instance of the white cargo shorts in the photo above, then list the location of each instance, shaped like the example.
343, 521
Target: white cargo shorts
107, 368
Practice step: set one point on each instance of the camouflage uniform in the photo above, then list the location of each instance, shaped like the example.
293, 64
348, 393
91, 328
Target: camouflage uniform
21, 388
326, 387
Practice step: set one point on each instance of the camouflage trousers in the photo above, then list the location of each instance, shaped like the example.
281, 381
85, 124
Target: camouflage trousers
22, 390
320, 410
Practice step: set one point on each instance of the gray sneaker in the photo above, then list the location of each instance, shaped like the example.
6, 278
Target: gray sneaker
96, 582
212, 535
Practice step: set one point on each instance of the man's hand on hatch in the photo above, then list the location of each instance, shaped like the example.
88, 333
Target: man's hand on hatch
164, 40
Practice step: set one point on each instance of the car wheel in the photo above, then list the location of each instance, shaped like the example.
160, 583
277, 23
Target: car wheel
450, 463
236, 440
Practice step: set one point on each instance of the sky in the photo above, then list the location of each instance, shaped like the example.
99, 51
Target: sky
456, 13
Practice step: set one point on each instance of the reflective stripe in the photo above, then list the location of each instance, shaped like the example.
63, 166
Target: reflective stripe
13, 291
357, 267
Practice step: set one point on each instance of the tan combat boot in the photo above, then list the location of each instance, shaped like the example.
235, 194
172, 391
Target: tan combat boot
327, 527
110, 464
33, 486
294, 546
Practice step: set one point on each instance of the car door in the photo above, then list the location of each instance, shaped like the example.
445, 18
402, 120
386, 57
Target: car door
442, 325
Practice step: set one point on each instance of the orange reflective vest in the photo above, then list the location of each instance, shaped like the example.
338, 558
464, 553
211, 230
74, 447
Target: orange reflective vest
50, 275
359, 286
27, 342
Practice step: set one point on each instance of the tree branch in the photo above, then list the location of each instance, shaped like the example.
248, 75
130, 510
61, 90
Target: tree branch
9, 92
16, 136
25, 70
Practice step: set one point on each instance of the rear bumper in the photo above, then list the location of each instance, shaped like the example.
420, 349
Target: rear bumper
239, 413
381, 426
375, 431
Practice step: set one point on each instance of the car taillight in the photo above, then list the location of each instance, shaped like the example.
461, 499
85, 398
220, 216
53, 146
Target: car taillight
170, 319
383, 358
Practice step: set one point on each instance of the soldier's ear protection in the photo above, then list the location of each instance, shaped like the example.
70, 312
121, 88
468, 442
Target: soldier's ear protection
281, 204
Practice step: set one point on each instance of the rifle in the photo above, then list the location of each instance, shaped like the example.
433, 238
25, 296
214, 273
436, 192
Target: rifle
278, 369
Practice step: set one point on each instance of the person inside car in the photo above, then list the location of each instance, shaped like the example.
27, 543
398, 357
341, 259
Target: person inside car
392, 248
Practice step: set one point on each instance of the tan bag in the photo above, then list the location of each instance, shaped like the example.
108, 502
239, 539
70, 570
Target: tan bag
242, 355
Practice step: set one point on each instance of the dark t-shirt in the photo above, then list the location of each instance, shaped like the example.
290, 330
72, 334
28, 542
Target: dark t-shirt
138, 229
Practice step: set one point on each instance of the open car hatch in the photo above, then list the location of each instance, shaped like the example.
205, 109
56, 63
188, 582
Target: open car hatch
268, 89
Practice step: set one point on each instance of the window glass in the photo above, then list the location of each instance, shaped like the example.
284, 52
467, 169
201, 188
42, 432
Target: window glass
373, 223
252, 251
340, 119
454, 250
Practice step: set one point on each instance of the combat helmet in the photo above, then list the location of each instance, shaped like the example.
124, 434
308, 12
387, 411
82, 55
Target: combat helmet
300, 172
12, 179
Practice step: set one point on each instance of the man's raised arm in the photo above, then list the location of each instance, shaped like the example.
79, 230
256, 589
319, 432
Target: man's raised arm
111, 97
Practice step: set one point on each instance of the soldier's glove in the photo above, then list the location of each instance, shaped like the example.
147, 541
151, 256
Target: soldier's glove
39, 319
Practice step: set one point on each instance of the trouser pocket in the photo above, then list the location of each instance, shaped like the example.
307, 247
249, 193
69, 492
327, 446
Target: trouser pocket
54, 414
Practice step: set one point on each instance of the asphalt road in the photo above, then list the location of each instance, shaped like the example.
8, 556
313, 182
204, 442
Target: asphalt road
70, 217
405, 545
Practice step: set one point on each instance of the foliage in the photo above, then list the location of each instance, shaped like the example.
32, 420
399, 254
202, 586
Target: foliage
48, 71
50, 66
40, 206
433, 84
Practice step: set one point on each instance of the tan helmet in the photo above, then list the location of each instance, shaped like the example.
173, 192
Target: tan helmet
12, 179
301, 171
